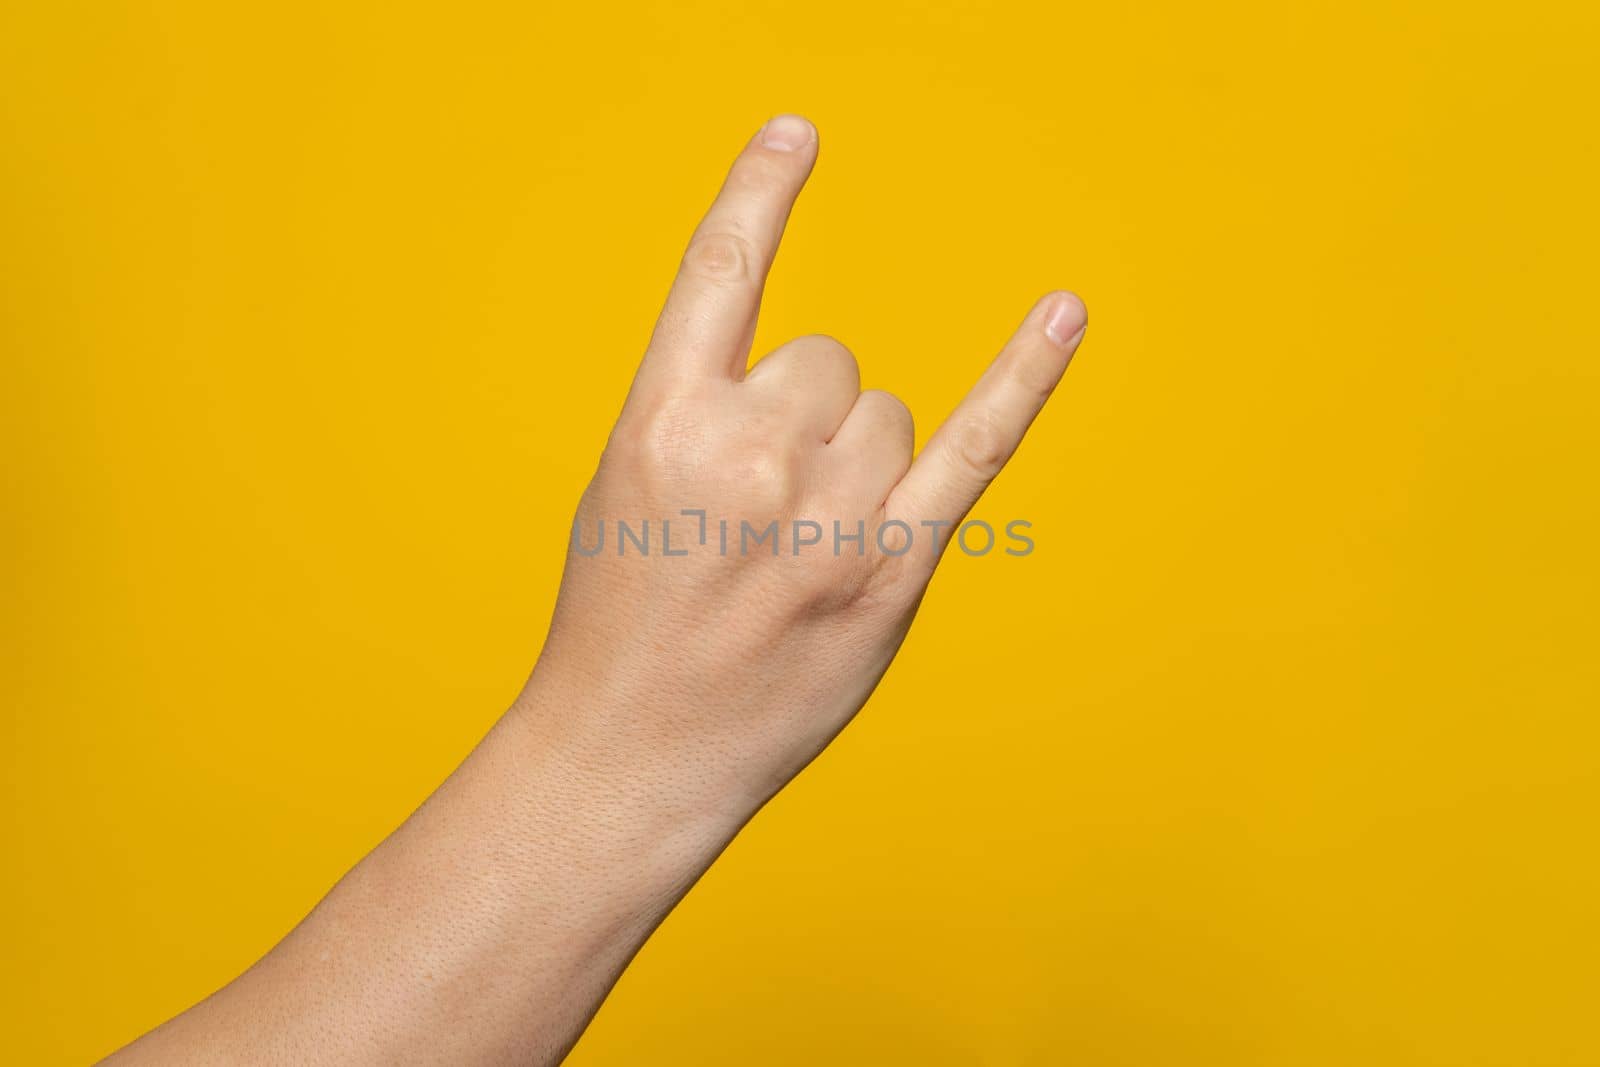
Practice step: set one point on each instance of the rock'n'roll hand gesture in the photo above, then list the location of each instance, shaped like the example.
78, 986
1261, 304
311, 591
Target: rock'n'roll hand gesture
740, 661
744, 565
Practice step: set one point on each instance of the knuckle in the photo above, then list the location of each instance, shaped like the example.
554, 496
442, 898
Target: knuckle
657, 444
764, 477
759, 468
1036, 374
833, 353
755, 173
894, 409
720, 257
980, 446
825, 343
837, 584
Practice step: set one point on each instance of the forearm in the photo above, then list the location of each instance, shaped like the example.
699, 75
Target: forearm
490, 926
677, 691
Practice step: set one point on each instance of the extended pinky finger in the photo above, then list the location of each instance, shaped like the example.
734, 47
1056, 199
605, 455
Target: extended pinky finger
974, 443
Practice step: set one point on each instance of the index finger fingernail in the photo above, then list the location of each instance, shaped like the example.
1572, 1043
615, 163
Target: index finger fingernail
785, 133
1067, 320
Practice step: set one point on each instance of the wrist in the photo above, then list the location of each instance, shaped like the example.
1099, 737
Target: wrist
662, 807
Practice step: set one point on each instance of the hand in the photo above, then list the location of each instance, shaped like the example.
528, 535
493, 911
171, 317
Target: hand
739, 661
675, 694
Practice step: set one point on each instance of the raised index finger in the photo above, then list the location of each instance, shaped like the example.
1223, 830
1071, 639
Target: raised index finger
709, 320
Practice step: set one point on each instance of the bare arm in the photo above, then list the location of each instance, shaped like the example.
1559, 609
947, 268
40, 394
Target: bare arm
676, 693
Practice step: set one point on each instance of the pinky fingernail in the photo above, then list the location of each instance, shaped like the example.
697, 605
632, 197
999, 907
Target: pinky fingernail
1066, 323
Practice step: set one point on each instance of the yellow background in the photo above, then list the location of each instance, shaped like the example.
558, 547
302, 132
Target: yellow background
1280, 749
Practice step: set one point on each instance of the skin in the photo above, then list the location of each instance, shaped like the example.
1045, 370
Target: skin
674, 696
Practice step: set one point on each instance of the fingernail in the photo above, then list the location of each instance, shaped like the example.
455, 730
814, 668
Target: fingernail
786, 133
1067, 322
